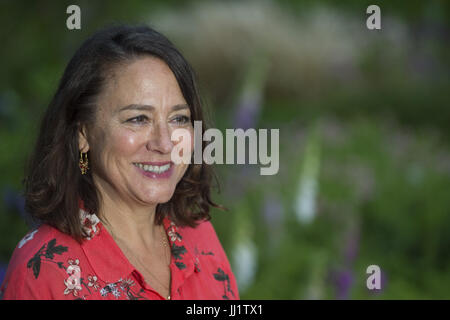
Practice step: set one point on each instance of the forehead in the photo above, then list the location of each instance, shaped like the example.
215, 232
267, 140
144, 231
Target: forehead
145, 80
145, 68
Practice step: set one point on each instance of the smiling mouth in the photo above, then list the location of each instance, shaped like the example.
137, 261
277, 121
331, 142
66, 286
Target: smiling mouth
154, 168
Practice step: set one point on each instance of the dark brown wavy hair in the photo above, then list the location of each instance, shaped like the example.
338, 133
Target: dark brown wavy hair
53, 181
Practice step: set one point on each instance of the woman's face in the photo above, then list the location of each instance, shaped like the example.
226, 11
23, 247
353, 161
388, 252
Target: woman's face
130, 143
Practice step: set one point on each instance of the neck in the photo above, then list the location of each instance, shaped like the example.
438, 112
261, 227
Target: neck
131, 223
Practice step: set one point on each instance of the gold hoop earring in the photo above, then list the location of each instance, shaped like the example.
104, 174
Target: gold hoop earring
84, 163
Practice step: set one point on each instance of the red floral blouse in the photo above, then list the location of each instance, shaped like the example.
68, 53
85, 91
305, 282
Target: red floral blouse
48, 264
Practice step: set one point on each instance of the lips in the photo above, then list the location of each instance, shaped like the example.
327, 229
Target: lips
155, 170
155, 167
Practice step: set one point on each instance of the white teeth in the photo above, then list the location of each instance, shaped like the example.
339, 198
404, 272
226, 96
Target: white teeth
155, 169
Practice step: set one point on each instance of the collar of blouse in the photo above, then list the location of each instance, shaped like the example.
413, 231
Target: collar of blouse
110, 264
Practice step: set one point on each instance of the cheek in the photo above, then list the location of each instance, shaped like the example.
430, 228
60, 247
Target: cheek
119, 143
125, 142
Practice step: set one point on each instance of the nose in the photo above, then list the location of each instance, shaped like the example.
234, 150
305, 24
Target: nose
159, 140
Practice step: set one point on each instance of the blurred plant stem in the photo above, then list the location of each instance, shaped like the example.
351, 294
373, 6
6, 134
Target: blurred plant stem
305, 200
248, 111
317, 275
244, 252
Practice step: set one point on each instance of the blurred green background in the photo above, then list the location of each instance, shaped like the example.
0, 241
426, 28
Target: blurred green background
364, 132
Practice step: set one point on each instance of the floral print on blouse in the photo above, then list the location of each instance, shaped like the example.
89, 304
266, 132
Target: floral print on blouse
48, 264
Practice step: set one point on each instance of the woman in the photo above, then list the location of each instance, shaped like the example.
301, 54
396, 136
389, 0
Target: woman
118, 218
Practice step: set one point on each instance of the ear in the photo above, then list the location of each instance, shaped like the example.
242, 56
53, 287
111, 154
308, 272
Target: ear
83, 144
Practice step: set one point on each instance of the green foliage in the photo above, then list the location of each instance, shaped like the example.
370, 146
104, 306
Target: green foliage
384, 160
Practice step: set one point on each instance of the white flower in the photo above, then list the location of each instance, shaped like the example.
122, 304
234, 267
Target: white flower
116, 293
110, 288
305, 204
103, 292
125, 284
89, 223
173, 233
245, 263
93, 282
73, 282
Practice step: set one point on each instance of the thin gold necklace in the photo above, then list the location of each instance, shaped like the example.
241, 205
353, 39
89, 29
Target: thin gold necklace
149, 272
165, 244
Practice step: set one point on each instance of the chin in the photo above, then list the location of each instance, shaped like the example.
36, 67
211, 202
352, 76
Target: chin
160, 197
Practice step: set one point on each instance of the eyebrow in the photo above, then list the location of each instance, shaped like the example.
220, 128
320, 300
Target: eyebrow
150, 107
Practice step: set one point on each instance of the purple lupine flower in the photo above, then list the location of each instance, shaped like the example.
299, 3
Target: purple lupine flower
3, 268
250, 102
344, 281
272, 210
246, 116
248, 110
352, 246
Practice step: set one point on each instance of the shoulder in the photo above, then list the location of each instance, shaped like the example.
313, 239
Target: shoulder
203, 240
203, 233
211, 259
46, 241
36, 262
203, 228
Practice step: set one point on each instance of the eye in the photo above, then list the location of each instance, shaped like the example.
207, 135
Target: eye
138, 119
181, 119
